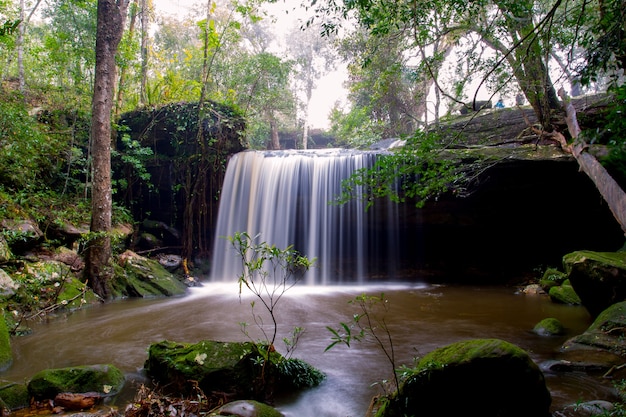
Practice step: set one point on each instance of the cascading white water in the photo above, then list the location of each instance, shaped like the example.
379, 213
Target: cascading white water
286, 197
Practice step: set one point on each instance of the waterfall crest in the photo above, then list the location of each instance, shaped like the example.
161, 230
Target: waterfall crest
286, 197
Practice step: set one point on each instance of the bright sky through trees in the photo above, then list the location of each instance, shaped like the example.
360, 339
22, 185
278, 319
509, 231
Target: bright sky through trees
330, 88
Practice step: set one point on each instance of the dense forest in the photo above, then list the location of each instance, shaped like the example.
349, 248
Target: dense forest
409, 69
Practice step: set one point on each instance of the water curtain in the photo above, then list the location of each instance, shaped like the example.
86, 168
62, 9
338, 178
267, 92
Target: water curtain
287, 198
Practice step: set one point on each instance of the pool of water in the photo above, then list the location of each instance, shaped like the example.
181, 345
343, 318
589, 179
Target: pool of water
420, 319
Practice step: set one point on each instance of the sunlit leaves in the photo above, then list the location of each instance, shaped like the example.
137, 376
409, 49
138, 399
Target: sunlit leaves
416, 172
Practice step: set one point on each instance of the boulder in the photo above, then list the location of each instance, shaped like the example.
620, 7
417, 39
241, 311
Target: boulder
246, 408
599, 278
137, 276
564, 294
216, 366
587, 409
14, 396
7, 285
552, 277
606, 333
229, 370
105, 380
485, 377
21, 234
549, 327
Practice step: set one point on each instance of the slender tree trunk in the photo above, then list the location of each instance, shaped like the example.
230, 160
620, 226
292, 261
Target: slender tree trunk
609, 189
122, 79
143, 99
275, 139
109, 30
20, 49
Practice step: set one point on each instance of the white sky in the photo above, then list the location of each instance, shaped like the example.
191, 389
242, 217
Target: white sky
330, 89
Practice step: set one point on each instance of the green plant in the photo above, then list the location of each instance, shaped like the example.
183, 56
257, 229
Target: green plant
268, 272
369, 322
415, 171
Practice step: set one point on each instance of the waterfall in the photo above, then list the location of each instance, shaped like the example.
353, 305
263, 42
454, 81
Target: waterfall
286, 197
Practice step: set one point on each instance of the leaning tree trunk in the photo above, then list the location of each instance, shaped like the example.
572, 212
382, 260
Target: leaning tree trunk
110, 27
610, 191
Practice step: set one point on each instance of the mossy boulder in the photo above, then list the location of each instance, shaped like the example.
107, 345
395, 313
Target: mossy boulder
46, 284
246, 408
216, 366
549, 327
104, 379
599, 278
14, 396
607, 332
564, 294
237, 369
137, 276
552, 277
485, 377
6, 354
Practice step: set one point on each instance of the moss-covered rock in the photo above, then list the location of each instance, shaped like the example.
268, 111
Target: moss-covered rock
246, 408
6, 354
549, 327
552, 277
103, 379
599, 278
137, 276
48, 284
564, 294
236, 368
607, 332
486, 377
14, 396
216, 366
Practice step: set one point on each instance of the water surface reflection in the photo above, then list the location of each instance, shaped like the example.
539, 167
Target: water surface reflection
421, 318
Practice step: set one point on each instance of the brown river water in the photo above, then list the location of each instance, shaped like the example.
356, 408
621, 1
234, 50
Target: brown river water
420, 317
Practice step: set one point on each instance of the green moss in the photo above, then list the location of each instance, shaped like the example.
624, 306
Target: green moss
14, 396
564, 294
6, 354
104, 379
466, 351
617, 259
142, 277
549, 327
552, 277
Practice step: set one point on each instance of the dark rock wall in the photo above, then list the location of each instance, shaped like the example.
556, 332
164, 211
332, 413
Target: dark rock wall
523, 215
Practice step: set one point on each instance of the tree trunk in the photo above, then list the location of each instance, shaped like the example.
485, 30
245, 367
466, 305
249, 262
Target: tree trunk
275, 139
143, 100
20, 49
122, 78
110, 27
610, 191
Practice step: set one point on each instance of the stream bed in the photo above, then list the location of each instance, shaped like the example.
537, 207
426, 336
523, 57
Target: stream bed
420, 318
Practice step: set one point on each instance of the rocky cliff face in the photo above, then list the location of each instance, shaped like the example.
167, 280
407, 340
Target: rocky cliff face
522, 214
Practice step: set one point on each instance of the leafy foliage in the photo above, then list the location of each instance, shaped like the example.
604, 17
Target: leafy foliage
268, 272
615, 131
368, 322
27, 155
417, 171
